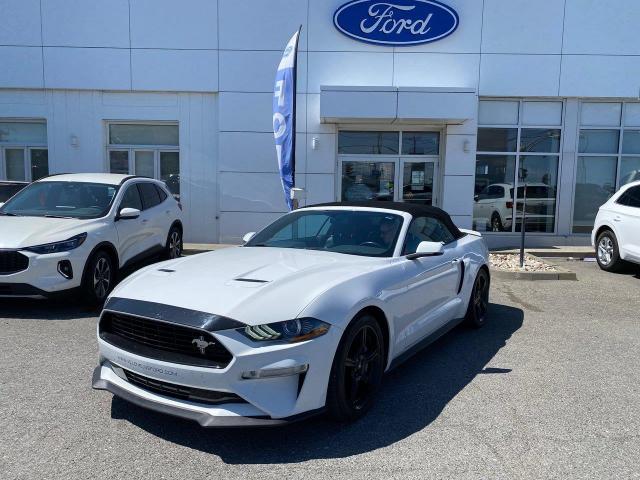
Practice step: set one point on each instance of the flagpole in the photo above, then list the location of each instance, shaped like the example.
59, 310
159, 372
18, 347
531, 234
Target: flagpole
294, 110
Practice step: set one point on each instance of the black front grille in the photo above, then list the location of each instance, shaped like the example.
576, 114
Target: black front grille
163, 341
199, 395
12, 262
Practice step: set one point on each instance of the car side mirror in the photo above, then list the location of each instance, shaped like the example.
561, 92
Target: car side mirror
128, 214
427, 249
248, 236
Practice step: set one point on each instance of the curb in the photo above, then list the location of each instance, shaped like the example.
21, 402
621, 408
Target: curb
561, 274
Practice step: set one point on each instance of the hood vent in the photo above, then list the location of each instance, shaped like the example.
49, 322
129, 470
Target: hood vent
251, 280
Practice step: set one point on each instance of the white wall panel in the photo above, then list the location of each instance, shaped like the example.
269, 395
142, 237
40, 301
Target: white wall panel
457, 161
87, 68
261, 25
253, 112
323, 158
313, 116
354, 68
85, 23
602, 27
21, 67
522, 26
167, 24
457, 194
255, 71
320, 188
519, 75
247, 152
20, 22
234, 225
435, 70
251, 192
599, 76
177, 70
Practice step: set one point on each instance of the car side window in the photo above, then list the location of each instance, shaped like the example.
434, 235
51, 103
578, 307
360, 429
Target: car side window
162, 193
131, 198
149, 194
426, 229
630, 198
496, 191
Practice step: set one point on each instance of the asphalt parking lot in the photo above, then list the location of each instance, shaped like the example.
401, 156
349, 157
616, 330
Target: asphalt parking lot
548, 389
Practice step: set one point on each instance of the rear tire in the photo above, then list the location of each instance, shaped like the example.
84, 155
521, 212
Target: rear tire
608, 253
478, 308
358, 367
173, 247
99, 278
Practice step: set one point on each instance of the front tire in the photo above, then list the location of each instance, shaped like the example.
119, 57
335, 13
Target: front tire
607, 252
358, 367
478, 308
99, 278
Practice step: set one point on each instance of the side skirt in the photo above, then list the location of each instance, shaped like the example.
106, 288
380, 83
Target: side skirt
425, 342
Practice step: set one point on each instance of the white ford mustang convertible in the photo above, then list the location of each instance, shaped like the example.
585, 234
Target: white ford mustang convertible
305, 317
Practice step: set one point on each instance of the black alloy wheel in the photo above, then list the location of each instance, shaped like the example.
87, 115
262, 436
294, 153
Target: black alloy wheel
357, 370
99, 278
479, 302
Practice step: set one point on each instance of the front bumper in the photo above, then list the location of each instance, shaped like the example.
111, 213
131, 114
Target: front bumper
263, 401
41, 278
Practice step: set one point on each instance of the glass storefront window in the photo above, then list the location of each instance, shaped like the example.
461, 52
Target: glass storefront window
497, 139
420, 143
362, 181
493, 195
119, 162
540, 140
27, 133
417, 184
368, 143
39, 163
170, 171
14, 160
595, 183
540, 175
599, 141
144, 164
138, 134
631, 142
629, 170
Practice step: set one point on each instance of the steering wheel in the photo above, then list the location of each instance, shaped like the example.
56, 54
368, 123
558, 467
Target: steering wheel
371, 244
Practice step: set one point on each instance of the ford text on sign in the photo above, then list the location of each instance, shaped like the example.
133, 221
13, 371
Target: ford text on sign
396, 22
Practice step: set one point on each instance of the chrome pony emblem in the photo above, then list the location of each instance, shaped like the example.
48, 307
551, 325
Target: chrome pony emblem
201, 344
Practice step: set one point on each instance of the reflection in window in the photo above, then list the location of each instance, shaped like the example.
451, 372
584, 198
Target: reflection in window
493, 197
417, 185
420, 143
629, 170
540, 174
631, 142
599, 141
497, 139
540, 140
595, 183
362, 181
368, 143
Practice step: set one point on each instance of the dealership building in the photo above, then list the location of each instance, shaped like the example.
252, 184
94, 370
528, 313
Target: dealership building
457, 104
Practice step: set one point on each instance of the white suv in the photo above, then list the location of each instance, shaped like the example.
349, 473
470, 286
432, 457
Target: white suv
616, 233
65, 232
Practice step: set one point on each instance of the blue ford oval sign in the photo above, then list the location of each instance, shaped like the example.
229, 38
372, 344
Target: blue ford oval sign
396, 22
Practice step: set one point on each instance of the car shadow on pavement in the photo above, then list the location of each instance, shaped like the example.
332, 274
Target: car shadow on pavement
412, 397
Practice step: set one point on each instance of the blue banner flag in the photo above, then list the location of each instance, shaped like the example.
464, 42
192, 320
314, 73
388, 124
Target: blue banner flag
284, 113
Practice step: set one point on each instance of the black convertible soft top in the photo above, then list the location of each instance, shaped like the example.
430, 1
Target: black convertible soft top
415, 210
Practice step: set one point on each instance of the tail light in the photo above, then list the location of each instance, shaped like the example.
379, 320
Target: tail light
509, 205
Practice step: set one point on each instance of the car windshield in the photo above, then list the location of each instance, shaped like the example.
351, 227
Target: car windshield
366, 233
80, 200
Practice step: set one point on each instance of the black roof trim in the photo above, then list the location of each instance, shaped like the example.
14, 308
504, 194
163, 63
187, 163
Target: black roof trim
414, 210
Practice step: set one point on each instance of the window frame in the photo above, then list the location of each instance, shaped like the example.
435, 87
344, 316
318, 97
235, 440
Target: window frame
519, 153
132, 149
619, 156
26, 147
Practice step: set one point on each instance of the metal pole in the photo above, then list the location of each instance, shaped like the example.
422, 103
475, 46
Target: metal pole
523, 224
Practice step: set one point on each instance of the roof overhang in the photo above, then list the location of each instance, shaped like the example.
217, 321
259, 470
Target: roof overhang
386, 105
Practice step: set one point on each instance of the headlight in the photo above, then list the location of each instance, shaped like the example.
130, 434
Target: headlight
291, 331
58, 247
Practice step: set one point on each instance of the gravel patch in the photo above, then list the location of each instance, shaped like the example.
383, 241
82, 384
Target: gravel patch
511, 263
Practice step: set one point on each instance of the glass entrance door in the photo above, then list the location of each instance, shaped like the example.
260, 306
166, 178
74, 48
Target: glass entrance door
418, 181
364, 180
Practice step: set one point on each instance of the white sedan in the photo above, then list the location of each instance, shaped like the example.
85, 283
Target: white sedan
616, 233
75, 231
304, 318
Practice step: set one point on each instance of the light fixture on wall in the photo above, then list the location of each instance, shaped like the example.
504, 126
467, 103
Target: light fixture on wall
73, 140
466, 146
315, 143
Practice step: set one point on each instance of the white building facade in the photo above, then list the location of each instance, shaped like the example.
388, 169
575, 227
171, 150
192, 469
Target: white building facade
543, 94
